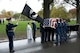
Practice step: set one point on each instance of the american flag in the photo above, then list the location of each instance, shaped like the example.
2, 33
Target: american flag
46, 22
50, 22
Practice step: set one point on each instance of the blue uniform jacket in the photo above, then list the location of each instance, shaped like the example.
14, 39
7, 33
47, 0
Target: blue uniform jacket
34, 26
9, 29
58, 27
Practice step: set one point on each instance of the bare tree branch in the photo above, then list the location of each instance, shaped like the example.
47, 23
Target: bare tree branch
70, 2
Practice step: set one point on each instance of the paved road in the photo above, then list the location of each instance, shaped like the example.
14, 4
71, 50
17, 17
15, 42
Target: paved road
27, 46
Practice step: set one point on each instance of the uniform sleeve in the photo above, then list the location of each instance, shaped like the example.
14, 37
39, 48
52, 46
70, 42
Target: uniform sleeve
14, 25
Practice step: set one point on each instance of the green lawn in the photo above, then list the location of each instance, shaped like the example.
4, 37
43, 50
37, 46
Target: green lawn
72, 22
20, 30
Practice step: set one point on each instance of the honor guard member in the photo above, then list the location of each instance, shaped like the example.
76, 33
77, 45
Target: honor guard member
42, 33
10, 34
34, 28
65, 29
47, 34
61, 32
58, 31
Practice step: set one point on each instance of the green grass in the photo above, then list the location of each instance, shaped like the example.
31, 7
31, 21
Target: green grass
72, 22
20, 30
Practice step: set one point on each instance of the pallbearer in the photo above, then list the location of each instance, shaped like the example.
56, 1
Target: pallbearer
58, 31
65, 29
42, 33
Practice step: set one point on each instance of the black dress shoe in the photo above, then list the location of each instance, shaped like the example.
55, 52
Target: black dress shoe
56, 44
11, 51
52, 40
42, 41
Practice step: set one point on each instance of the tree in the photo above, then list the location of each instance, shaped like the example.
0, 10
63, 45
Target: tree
17, 15
46, 10
40, 13
3, 12
71, 2
54, 12
75, 3
7, 13
59, 12
73, 12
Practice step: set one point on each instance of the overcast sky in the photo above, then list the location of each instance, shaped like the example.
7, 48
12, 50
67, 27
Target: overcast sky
18, 5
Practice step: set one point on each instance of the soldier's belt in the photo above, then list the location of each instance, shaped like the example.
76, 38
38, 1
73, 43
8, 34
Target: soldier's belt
10, 31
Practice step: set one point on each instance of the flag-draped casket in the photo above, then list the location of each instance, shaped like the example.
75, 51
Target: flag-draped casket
50, 22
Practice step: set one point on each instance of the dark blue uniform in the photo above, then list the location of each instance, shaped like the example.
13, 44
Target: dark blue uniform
42, 33
47, 33
34, 30
52, 31
10, 34
65, 30
58, 32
